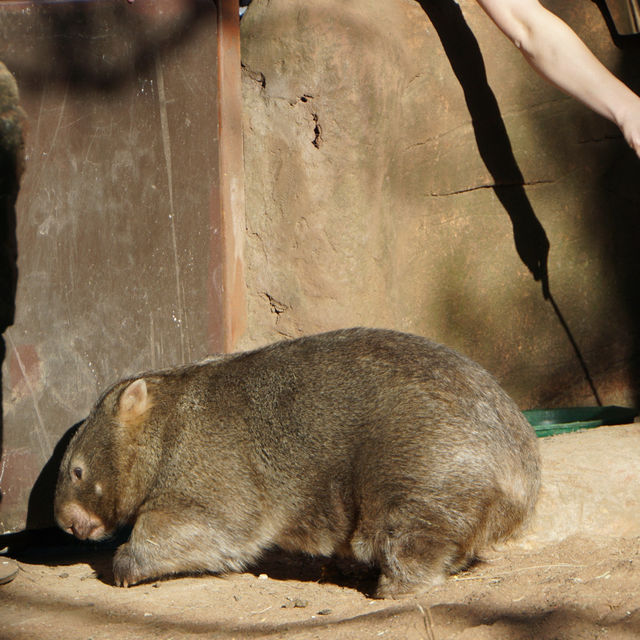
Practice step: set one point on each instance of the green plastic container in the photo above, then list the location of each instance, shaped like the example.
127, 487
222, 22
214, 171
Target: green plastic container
550, 422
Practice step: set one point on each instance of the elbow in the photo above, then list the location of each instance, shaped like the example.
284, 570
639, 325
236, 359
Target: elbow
521, 27
522, 40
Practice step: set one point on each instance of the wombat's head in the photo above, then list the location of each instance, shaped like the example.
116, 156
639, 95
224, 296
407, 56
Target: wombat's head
97, 473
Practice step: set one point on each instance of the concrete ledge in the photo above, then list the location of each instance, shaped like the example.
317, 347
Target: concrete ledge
590, 486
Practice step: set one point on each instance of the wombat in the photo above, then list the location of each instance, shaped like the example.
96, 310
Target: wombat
371, 444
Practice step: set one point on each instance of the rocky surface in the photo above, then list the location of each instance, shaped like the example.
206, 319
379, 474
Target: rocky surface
406, 168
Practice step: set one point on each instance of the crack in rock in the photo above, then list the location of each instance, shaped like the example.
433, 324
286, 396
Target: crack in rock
317, 130
492, 185
277, 307
256, 76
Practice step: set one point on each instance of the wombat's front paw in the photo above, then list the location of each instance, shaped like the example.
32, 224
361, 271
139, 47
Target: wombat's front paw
126, 569
395, 588
388, 588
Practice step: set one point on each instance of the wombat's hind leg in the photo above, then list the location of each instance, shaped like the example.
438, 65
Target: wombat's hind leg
415, 563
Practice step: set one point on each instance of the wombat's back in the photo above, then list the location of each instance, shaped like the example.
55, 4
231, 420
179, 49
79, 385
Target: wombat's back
388, 426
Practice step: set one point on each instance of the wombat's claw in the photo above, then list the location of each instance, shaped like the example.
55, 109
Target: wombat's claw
122, 581
126, 571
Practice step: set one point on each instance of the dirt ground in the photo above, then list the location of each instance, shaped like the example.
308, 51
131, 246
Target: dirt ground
582, 586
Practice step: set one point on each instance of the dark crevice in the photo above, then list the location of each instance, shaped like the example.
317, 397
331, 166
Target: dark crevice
493, 186
317, 130
256, 76
277, 307
605, 138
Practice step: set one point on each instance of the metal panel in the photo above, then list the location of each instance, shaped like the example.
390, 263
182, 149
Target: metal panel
114, 213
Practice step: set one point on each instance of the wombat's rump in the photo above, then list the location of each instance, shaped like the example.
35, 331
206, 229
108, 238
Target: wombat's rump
372, 443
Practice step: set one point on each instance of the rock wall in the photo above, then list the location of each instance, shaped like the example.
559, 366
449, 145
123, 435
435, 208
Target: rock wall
406, 168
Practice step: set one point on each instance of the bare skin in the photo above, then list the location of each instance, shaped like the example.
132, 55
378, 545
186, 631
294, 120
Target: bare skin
559, 56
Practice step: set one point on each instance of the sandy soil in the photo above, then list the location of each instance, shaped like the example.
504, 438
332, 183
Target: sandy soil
580, 588
554, 584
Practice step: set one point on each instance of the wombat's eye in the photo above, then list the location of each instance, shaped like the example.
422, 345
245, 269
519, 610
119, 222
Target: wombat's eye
77, 473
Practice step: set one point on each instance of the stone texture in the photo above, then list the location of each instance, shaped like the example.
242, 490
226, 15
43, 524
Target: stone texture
369, 202
589, 486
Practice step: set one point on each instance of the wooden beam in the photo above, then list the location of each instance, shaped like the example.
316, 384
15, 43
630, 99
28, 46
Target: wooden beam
228, 310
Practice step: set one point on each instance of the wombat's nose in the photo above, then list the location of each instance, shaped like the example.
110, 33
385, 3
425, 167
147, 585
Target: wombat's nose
79, 522
92, 529
79, 531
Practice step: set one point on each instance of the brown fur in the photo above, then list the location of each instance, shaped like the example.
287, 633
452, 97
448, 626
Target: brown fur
372, 443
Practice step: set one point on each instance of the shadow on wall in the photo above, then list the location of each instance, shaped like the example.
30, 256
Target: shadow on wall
12, 120
494, 146
620, 203
40, 506
463, 52
83, 57
629, 39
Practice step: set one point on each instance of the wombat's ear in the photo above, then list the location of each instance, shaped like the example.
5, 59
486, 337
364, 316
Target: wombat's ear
134, 401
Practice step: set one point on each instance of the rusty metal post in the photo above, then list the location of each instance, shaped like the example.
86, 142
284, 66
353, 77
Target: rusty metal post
228, 300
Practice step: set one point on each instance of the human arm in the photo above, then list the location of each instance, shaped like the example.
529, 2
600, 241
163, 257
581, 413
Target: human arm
559, 56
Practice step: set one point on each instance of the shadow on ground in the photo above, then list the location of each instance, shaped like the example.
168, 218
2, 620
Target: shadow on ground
52, 547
